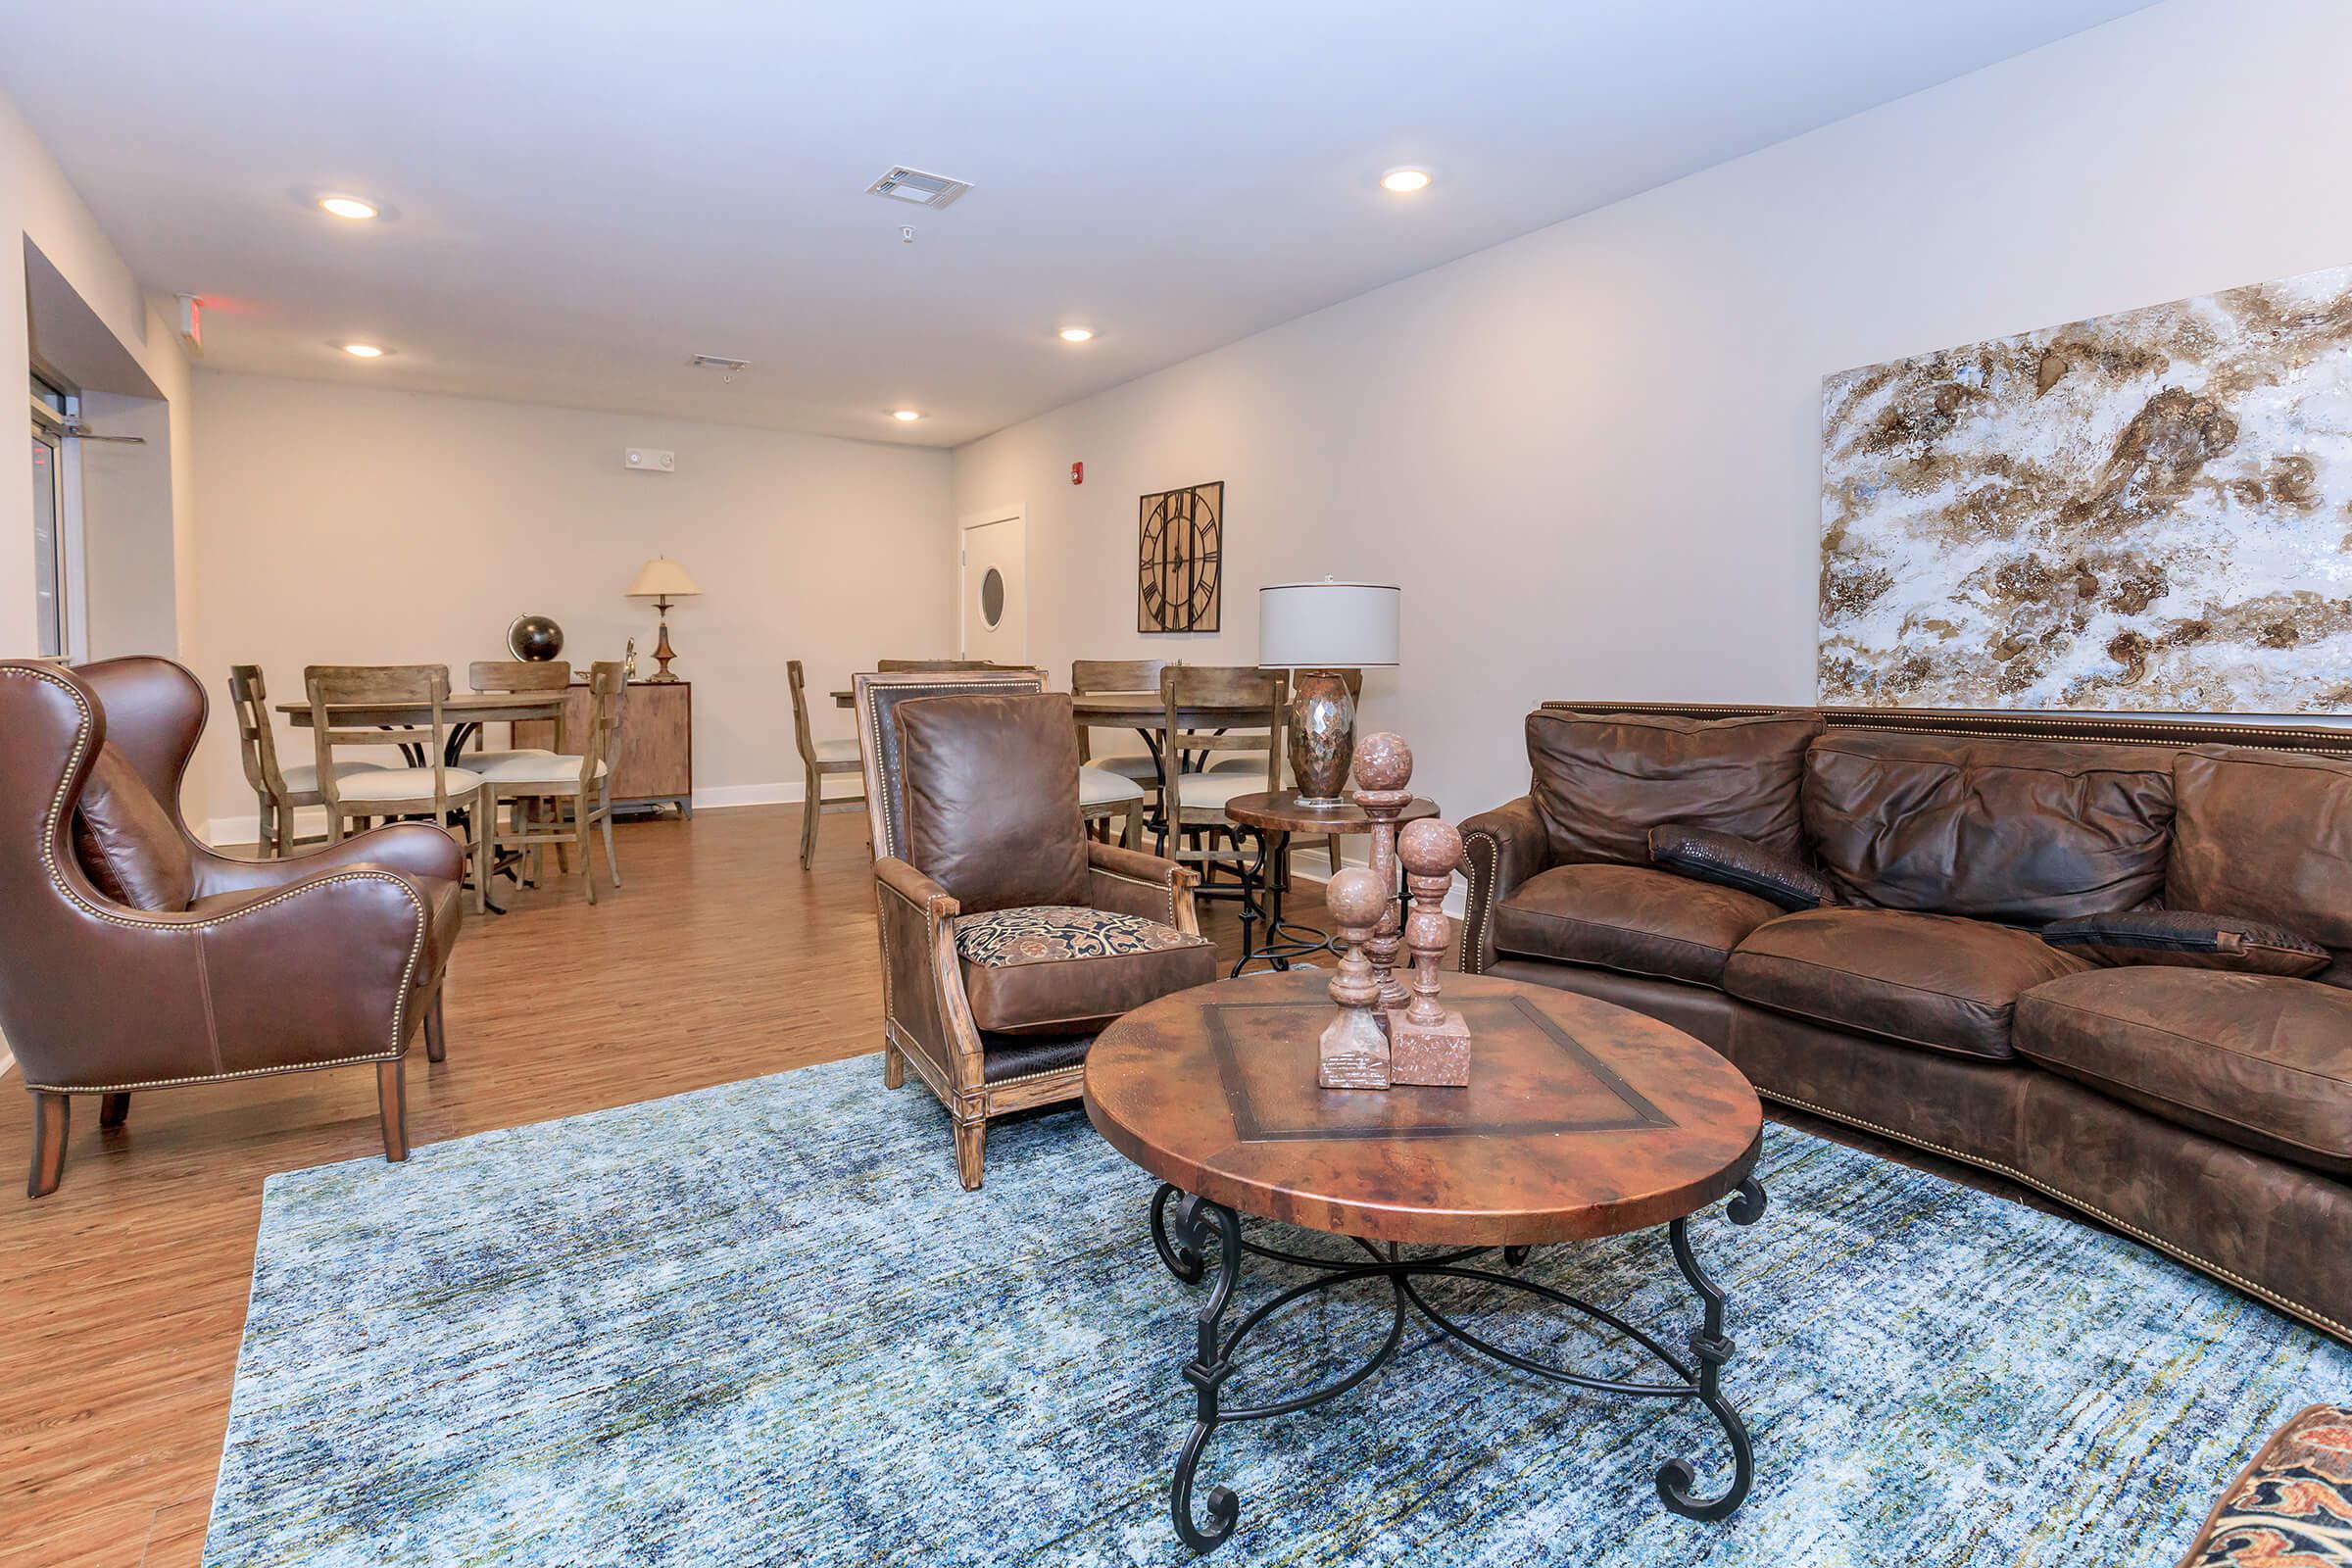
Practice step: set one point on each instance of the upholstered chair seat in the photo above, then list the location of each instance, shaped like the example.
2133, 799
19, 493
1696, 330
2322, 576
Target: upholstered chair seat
834, 751
521, 767
303, 777
1100, 786
1141, 766
404, 783
1068, 968
1214, 788
487, 762
1008, 936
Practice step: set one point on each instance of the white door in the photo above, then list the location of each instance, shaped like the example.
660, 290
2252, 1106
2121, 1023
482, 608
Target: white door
995, 573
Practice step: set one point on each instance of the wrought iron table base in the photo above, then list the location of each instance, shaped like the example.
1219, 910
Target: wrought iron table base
1184, 1241
1285, 939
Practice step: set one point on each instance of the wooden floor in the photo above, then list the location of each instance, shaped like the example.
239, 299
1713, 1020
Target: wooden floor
122, 1294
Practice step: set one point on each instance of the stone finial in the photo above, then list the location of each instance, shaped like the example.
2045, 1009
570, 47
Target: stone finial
1383, 761
1429, 1044
1354, 1047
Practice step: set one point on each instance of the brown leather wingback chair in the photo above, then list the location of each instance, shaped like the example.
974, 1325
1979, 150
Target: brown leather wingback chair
133, 957
1009, 937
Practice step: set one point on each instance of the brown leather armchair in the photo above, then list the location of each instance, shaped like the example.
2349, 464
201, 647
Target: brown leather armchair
133, 957
1009, 938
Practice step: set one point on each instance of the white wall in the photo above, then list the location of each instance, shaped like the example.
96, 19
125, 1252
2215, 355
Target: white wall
37, 203
353, 524
1591, 455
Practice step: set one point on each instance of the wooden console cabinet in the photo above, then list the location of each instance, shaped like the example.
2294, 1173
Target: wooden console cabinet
656, 767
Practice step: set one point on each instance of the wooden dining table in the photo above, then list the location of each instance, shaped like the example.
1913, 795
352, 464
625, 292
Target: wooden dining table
464, 713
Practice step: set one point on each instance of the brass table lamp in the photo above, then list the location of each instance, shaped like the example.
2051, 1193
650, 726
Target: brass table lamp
662, 580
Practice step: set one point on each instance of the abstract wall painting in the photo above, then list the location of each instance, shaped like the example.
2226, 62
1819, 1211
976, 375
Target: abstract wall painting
2144, 511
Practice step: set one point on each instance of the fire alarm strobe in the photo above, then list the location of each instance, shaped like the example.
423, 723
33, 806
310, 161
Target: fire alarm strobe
1077, 474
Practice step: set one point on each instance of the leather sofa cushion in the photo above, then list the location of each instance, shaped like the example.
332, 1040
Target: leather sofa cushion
2003, 830
2267, 834
2261, 1062
1781, 880
2185, 939
992, 798
1066, 968
1635, 919
1930, 980
1603, 780
128, 844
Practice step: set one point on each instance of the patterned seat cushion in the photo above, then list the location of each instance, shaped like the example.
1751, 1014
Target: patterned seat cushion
2291, 1507
1063, 969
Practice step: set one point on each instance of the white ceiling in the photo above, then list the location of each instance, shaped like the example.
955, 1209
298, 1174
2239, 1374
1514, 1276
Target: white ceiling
585, 193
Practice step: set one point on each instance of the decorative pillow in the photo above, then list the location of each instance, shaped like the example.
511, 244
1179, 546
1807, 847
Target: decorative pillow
2186, 940
1063, 969
1736, 863
127, 842
2288, 1506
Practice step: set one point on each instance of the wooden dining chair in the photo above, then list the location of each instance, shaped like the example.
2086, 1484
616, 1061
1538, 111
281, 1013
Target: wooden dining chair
1089, 675
277, 791
1246, 723
517, 675
436, 791
557, 797
819, 761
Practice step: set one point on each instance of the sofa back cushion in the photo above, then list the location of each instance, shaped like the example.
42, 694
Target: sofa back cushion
2026, 831
1603, 780
125, 841
2266, 834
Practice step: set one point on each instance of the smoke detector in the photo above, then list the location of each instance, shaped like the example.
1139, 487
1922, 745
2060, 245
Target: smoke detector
913, 185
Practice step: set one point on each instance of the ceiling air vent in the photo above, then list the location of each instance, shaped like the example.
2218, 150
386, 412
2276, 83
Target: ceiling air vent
913, 185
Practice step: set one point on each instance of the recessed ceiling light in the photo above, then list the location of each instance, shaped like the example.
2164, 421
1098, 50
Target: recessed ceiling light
1404, 182
906, 416
363, 351
350, 207
1077, 334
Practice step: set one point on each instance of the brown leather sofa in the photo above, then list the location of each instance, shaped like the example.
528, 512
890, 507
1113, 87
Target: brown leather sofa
1009, 938
2171, 1089
133, 957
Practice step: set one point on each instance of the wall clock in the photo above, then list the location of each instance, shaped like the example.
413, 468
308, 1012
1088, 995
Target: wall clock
1180, 541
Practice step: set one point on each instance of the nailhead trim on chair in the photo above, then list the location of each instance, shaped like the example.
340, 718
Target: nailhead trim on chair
57, 877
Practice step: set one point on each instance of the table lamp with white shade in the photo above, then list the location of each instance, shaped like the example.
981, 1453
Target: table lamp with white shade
662, 580
1316, 630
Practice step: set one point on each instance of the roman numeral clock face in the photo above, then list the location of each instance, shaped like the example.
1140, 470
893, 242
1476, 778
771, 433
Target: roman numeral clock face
1180, 540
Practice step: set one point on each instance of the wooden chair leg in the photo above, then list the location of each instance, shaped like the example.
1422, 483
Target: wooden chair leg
50, 1114
579, 830
436, 1044
812, 796
1331, 854
114, 1111
392, 1107
612, 861
1133, 838
484, 834
894, 1069
971, 1138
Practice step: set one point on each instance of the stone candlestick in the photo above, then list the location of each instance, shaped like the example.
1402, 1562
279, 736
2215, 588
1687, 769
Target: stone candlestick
1354, 1050
1384, 766
1428, 1044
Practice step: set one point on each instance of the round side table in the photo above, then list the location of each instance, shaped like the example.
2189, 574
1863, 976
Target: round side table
1278, 815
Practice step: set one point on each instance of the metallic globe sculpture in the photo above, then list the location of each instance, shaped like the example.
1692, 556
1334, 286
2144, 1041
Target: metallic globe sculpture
536, 638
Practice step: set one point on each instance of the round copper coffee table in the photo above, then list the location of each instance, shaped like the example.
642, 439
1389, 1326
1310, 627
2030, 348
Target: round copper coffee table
1278, 815
1581, 1120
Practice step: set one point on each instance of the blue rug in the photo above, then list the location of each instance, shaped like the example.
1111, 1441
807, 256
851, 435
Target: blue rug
762, 1324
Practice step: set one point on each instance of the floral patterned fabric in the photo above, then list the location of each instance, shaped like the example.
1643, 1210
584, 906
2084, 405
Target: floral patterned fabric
2292, 1506
1046, 933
